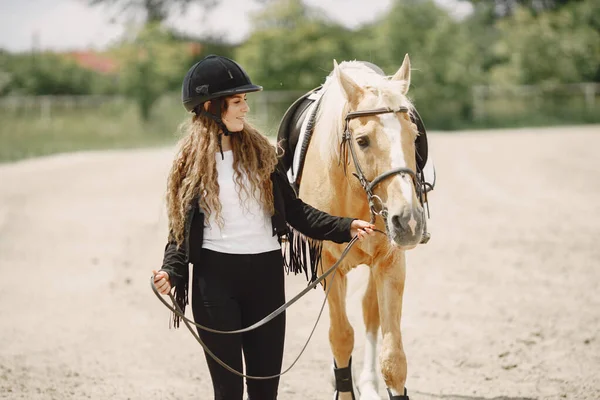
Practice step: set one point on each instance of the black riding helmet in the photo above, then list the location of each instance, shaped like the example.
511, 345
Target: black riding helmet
212, 77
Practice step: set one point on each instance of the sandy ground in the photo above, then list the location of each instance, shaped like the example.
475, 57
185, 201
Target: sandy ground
503, 303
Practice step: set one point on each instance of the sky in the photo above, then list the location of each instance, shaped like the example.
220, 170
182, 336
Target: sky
63, 25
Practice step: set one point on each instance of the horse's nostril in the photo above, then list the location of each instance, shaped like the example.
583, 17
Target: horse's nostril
396, 222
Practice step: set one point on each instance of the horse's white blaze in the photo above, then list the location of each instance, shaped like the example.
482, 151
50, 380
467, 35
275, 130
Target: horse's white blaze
392, 128
412, 223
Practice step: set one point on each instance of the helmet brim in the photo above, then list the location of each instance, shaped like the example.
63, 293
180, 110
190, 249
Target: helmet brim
191, 104
239, 90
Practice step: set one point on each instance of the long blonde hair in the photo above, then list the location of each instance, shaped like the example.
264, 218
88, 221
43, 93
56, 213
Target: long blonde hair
194, 171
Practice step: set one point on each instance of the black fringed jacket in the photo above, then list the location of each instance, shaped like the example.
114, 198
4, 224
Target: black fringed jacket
289, 209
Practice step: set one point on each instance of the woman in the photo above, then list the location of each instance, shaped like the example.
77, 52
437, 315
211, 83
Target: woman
229, 206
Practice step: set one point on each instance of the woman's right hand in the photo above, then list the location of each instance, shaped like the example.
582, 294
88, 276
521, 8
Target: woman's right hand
161, 282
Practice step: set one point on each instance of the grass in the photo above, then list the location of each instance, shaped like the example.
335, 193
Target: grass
27, 134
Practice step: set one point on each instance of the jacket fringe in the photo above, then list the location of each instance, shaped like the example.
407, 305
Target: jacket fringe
181, 298
303, 254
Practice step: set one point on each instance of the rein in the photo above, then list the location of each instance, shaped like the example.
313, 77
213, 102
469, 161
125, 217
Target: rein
188, 322
376, 204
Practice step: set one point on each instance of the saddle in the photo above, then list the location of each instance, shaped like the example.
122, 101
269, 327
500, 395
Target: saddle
296, 128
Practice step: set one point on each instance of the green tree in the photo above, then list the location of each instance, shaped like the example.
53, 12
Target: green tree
153, 62
556, 47
405, 29
506, 8
49, 73
156, 11
444, 57
292, 46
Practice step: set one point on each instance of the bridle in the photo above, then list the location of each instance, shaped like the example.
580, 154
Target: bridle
376, 204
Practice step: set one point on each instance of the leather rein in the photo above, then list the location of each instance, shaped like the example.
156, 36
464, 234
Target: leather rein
188, 322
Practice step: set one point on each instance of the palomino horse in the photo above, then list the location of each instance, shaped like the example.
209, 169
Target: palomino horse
363, 127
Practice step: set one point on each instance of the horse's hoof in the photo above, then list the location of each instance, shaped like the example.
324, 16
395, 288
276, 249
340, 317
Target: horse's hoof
398, 397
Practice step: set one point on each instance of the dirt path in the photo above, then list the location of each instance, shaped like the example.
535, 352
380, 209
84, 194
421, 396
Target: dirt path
503, 303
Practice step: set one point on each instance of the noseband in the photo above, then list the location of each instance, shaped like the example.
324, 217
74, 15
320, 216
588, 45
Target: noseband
376, 205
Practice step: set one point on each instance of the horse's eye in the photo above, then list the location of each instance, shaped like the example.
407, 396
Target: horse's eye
362, 141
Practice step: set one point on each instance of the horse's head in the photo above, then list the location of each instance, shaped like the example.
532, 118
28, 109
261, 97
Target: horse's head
383, 141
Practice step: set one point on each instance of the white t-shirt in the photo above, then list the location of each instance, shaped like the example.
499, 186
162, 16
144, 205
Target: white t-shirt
247, 228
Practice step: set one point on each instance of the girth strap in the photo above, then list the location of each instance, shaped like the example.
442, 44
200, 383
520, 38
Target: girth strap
343, 379
399, 397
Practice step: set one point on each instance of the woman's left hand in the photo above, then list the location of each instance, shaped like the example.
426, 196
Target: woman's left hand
361, 228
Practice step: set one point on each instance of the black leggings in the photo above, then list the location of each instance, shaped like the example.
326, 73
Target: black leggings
233, 291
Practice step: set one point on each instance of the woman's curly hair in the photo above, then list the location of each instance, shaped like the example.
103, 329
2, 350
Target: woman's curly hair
194, 171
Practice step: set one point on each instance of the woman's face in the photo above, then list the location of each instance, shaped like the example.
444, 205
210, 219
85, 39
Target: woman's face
233, 117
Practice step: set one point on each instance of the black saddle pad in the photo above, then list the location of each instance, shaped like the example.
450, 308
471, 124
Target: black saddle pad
288, 133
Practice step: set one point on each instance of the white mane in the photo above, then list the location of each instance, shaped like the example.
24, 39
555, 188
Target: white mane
329, 124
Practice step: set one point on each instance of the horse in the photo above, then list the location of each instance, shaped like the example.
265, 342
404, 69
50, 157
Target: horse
361, 124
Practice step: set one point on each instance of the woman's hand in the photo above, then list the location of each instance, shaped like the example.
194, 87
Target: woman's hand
361, 228
161, 282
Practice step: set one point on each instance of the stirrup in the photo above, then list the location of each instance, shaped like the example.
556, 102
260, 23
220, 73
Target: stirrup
399, 397
343, 380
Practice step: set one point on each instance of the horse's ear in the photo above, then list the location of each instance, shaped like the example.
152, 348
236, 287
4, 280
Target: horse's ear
403, 74
352, 92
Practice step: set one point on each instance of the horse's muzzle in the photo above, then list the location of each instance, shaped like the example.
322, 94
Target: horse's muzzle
406, 227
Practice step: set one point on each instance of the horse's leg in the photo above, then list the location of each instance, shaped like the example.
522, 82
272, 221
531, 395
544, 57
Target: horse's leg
389, 274
368, 376
341, 336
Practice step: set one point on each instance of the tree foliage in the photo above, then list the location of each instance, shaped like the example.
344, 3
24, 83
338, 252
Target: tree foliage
155, 11
505, 8
45, 73
293, 47
549, 48
153, 63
